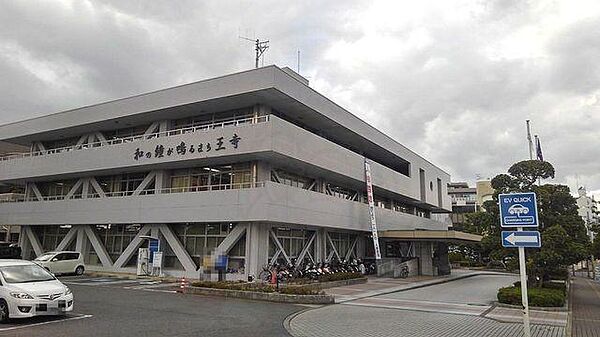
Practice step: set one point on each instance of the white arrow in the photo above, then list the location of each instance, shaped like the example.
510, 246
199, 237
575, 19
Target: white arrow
514, 239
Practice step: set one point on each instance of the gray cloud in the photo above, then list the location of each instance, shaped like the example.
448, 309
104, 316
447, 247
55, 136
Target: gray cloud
453, 83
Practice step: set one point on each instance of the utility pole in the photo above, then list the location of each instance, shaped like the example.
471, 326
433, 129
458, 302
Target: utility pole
259, 46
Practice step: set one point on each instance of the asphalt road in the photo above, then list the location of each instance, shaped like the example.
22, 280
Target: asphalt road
481, 290
116, 311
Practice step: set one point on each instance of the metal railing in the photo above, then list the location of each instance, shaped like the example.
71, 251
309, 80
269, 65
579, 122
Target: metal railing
202, 127
122, 194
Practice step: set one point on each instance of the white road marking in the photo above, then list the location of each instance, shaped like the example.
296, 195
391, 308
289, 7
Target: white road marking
44, 323
99, 282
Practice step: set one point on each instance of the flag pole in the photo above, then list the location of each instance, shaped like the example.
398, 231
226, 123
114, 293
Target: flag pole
529, 141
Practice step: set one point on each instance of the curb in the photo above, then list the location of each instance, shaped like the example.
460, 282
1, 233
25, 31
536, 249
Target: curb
547, 309
287, 321
569, 326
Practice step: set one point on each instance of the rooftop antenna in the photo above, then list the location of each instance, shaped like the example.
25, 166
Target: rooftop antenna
298, 61
260, 47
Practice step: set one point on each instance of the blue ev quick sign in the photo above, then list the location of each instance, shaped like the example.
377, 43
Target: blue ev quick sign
518, 210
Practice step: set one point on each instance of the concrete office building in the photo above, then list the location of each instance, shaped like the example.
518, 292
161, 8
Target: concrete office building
587, 208
255, 164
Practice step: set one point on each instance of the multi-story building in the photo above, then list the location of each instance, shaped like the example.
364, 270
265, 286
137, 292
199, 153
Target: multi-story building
467, 199
588, 210
257, 165
464, 201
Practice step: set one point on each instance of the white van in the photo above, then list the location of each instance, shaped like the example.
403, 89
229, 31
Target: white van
62, 262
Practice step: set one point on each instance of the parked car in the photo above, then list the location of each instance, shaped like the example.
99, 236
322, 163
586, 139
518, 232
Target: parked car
9, 250
62, 262
29, 290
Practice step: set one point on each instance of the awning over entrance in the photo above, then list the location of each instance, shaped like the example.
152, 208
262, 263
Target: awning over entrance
430, 235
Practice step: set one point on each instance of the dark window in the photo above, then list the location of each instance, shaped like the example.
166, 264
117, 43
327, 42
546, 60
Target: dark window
439, 190
422, 184
72, 256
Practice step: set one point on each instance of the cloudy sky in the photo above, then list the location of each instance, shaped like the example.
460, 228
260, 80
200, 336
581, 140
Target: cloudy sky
453, 80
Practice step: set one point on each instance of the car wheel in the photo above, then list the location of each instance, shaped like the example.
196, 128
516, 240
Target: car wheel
3, 311
79, 270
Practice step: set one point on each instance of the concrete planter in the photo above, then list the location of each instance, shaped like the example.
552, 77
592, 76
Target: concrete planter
261, 296
332, 284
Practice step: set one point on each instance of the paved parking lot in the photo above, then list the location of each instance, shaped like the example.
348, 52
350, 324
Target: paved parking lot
460, 308
120, 307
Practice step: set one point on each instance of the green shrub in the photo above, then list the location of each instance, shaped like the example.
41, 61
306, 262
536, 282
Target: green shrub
538, 297
231, 285
549, 285
339, 277
559, 274
455, 257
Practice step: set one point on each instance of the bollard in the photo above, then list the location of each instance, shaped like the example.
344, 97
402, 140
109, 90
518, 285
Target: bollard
182, 285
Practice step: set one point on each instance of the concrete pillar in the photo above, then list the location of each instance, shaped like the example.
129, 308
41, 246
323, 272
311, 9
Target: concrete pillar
360, 246
82, 242
443, 263
24, 244
263, 171
320, 245
162, 180
257, 248
425, 253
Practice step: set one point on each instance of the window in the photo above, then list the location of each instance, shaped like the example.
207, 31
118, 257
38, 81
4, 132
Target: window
212, 118
122, 184
50, 236
200, 239
61, 257
212, 178
290, 179
116, 238
72, 256
126, 132
292, 240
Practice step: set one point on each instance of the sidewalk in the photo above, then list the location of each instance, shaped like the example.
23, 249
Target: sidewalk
585, 303
383, 285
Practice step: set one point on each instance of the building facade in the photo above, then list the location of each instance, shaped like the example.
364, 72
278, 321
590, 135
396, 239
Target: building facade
588, 210
256, 165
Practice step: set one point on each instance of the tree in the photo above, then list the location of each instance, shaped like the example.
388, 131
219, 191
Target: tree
564, 237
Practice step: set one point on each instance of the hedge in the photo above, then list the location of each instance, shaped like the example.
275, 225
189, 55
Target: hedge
327, 278
231, 285
538, 297
258, 287
549, 285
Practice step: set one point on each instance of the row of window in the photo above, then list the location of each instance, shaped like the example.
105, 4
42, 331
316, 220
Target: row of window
220, 177
291, 179
199, 240
225, 175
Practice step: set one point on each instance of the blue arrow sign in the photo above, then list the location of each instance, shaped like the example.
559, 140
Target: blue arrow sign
518, 210
528, 239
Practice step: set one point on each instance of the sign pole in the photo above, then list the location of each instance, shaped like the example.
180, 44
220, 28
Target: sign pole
525, 301
520, 210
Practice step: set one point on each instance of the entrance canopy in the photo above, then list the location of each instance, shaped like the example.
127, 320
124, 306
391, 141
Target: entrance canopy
431, 235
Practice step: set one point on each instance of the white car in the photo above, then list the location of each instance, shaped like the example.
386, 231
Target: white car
29, 290
62, 262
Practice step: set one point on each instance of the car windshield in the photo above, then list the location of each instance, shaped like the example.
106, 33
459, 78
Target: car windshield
25, 273
44, 257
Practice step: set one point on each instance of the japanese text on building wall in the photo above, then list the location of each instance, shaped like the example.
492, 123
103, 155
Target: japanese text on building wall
183, 149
